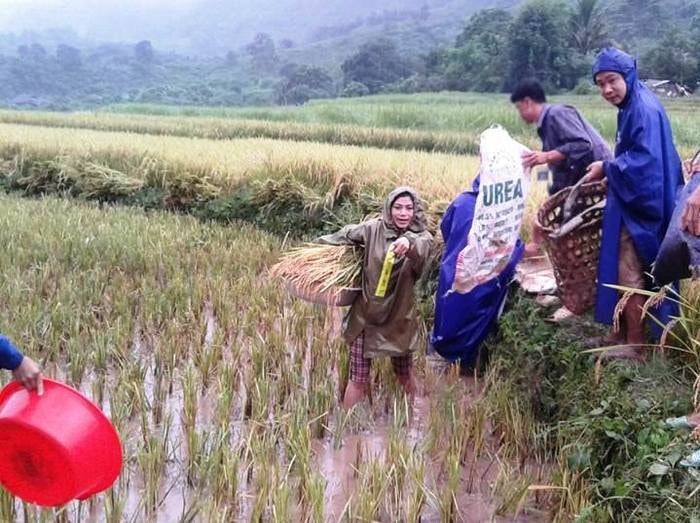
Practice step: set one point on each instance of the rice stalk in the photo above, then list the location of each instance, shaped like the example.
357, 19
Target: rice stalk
510, 490
319, 269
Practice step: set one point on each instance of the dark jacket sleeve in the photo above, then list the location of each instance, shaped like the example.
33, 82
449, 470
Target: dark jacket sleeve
576, 144
10, 357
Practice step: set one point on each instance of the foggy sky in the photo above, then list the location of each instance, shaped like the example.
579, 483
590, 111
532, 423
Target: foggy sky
191, 26
109, 18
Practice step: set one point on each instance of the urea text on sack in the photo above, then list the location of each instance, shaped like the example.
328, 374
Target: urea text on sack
501, 192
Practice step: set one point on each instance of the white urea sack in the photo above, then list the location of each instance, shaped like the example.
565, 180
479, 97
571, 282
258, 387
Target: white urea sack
498, 213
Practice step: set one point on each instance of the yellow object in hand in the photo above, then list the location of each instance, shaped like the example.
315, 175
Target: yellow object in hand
387, 267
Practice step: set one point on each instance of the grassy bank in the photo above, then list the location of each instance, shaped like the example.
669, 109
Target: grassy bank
601, 427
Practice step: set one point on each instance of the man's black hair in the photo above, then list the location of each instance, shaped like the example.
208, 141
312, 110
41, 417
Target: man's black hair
528, 88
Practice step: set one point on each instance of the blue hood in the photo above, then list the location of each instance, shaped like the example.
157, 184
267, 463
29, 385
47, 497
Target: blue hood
612, 59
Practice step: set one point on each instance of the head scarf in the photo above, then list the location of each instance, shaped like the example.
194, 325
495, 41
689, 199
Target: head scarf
418, 223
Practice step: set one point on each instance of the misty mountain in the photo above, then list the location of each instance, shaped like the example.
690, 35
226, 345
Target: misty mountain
214, 27
64, 54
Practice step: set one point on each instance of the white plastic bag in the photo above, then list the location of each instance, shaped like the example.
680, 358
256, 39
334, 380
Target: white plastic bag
499, 210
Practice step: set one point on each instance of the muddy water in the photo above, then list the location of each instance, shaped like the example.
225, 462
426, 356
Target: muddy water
475, 500
336, 459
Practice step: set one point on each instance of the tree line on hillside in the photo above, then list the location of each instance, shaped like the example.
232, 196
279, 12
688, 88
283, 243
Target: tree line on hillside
550, 39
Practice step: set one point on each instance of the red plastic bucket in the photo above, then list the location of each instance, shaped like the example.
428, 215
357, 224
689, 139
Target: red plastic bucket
56, 447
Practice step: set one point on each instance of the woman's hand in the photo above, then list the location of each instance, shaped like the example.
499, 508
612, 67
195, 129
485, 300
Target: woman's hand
400, 246
29, 375
690, 221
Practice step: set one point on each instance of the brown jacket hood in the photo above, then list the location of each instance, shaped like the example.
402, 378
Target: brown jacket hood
418, 223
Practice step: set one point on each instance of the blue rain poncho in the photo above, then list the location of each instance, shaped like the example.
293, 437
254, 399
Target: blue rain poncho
643, 181
10, 357
463, 321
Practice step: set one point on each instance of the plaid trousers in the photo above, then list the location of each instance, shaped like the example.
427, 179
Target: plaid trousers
360, 366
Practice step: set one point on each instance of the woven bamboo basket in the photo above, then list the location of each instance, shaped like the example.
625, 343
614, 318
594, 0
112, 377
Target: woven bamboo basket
574, 255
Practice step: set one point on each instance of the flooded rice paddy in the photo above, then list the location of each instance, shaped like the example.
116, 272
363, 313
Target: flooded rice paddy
225, 389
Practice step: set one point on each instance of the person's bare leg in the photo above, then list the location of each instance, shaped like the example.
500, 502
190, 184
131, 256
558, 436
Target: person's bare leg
614, 337
634, 323
409, 384
403, 368
354, 393
358, 384
694, 420
633, 331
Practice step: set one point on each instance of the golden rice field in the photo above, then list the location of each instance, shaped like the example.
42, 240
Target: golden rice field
229, 163
223, 129
447, 122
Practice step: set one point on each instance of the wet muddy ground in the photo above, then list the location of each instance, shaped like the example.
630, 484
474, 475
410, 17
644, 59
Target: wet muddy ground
475, 499
353, 441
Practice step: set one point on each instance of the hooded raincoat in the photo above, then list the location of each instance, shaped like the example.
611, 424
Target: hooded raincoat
463, 321
643, 181
390, 323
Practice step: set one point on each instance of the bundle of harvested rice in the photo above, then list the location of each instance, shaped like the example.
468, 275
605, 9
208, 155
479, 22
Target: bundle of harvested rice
93, 180
320, 273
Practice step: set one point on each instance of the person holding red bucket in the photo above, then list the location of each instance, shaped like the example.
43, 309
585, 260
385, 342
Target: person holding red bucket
24, 369
55, 444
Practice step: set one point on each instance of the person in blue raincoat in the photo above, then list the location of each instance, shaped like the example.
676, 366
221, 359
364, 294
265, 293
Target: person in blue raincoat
642, 182
463, 321
24, 369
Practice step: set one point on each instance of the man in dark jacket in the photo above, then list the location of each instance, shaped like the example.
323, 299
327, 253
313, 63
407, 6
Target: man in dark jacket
24, 369
569, 143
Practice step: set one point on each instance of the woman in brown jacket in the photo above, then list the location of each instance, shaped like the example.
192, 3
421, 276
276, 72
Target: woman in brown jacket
383, 321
